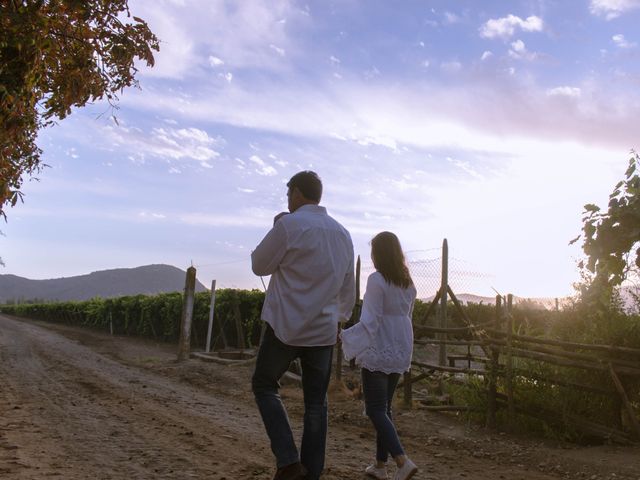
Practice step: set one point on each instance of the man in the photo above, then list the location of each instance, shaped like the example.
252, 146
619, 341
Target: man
310, 259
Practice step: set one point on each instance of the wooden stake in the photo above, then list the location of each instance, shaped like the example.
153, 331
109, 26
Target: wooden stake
238, 321
408, 390
432, 306
509, 366
443, 301
357, 308
493, 372
184, 345
625, 401
339, 357
211, 311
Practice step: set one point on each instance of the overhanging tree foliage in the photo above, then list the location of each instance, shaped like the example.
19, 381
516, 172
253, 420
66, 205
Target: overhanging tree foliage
55, 55
612, 238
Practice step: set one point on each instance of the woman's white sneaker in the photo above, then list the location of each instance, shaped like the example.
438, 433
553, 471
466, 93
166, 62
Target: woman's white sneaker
375, 472
407, 470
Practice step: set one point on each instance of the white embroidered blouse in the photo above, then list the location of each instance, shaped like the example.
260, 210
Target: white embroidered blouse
383, 338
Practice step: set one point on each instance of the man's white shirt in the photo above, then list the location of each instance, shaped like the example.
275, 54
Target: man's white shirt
309, 256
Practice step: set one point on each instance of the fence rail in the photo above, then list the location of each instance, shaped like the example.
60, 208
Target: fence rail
510, 362
503, 347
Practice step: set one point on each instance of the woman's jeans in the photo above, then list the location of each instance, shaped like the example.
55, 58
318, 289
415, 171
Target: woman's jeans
378, 389
273, 360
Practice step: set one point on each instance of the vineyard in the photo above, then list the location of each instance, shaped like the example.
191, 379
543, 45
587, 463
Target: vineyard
509, 362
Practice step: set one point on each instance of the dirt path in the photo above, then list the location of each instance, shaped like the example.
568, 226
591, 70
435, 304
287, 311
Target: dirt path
76, 404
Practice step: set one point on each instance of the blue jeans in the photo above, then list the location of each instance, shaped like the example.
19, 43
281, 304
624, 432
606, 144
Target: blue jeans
378, 389
274, 358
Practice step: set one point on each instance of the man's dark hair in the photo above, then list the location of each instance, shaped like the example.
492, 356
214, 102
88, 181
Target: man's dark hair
308, 183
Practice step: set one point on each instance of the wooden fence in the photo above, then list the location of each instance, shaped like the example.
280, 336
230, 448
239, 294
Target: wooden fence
499, 367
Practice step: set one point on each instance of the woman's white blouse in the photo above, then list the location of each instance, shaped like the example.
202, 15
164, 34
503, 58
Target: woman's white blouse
383, 338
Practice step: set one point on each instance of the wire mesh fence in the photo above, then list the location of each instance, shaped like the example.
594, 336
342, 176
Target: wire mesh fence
425, 267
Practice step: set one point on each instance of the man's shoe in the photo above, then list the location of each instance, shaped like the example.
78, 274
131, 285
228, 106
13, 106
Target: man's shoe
295, 471
375, 472
406, 471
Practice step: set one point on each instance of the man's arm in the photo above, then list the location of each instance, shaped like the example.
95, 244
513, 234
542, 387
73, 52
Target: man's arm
268, 254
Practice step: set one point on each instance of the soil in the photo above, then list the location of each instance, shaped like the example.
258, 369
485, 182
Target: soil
78, 404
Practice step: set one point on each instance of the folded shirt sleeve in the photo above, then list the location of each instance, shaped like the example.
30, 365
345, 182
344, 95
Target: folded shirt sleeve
358, 338
267, 256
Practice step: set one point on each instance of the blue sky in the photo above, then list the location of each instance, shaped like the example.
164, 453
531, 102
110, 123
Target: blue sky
489, 123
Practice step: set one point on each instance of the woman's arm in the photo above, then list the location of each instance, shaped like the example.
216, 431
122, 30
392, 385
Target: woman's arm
358, 338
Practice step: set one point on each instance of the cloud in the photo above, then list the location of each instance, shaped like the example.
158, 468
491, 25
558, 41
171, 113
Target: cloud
375, 140
278, 50
425, 113
244, 217
611, 9
565, 91
505, 27
241, 35
452, 66
263, 168
166, 143
622, 42
152, 215
465, 167
451, 18
519, 51
215, 61
486, 55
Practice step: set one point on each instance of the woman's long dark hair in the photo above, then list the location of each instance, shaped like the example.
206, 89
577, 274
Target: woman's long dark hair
388, 259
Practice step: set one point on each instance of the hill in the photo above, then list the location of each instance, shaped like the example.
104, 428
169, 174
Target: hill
628, 297
541, 303
148, 279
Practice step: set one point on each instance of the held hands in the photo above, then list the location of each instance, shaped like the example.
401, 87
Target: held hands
278, 216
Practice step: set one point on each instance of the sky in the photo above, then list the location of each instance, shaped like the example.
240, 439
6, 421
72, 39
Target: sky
490, 124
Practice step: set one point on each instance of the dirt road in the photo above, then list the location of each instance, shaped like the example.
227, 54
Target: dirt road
77, 404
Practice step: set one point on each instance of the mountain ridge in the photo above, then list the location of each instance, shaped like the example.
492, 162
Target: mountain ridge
146, 280
547, 303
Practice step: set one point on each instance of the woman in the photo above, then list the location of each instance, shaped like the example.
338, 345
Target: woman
382, 344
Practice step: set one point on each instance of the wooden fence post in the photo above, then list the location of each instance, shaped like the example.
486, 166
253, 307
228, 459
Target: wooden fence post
339, 358
238, 321
211, 311
625, 402
408, 390
355, 316
509, 366
443, 302
184, 345
357, 306
493, 370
